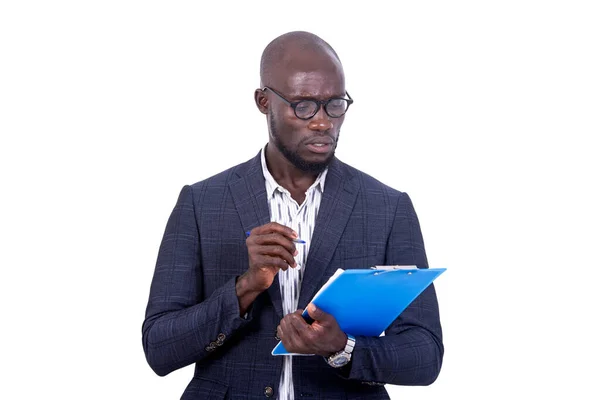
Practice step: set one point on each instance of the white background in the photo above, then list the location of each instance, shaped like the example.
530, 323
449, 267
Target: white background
485, 113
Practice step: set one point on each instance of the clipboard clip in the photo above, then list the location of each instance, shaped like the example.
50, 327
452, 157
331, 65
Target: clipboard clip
382, 269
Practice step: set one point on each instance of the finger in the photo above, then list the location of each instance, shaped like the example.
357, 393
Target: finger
265, 261
307, 337
274, 227
289, 335
272, 239
276, 239
282, 229
275, 260
318, 315
299, 323
277, 251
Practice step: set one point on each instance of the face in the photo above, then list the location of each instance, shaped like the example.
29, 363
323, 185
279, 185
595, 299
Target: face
308, 145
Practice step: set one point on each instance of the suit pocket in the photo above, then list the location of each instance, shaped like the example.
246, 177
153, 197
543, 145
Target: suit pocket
200, 388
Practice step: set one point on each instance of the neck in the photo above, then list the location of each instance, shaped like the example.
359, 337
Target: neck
285, 173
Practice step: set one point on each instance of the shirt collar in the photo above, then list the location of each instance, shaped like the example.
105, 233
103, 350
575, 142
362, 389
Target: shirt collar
272, 185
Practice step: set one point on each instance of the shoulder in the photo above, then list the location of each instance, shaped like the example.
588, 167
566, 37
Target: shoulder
214, 188
368, 183
223, 178
380, 198
374, 194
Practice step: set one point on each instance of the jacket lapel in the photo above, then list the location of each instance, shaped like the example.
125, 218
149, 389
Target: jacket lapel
250, 195
250, 198
336, 207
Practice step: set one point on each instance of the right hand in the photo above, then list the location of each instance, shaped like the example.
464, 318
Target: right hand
270, 248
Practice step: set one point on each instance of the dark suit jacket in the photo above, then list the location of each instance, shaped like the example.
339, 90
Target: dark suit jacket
193, 313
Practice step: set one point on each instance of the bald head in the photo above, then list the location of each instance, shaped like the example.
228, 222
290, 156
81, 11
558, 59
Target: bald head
295, 50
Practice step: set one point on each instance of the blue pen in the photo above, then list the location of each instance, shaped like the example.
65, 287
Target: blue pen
293, 240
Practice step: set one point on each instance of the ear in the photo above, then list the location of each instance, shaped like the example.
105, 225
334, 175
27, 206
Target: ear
261, 101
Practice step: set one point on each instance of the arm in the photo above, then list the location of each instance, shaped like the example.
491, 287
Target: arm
180, 323
411, 351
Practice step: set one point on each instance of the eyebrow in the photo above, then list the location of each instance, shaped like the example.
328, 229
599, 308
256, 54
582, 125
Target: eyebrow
305, 96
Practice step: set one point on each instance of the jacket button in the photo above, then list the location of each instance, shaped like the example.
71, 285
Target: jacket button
220, 339
211, 347
269, 391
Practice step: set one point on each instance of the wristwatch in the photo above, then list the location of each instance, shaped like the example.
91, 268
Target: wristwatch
342, 357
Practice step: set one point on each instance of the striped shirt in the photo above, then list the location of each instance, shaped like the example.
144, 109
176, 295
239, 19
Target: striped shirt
301, 218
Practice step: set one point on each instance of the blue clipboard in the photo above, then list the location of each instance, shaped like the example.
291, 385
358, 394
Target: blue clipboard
365, 302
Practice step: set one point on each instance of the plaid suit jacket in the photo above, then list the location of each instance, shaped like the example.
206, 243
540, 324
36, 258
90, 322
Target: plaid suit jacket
193, 314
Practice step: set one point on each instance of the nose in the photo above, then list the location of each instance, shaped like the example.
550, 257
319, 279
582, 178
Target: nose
321, 121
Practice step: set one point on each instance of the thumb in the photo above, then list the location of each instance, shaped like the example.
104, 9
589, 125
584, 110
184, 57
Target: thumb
316, 313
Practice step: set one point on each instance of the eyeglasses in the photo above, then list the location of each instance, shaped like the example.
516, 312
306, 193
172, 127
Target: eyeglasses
306, 109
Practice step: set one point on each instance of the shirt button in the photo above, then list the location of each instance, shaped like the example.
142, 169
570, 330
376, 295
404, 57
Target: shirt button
268, 391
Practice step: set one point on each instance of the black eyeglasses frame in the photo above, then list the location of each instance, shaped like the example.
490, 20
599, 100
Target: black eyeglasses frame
320, 103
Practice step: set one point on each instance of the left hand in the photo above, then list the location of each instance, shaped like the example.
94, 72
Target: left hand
323, 337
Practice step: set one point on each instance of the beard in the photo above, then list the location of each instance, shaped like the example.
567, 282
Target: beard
294, 157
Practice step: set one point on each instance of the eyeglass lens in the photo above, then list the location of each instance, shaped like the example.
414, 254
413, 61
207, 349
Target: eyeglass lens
334, 107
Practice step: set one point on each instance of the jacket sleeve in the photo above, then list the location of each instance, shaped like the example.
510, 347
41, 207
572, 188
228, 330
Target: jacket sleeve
411, 351
181, 326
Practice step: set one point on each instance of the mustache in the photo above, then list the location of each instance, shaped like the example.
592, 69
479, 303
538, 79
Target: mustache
326, 138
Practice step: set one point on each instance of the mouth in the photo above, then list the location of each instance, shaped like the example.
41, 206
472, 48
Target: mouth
319, 147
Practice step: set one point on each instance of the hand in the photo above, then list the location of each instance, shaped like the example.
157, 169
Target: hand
323, 337
270, 248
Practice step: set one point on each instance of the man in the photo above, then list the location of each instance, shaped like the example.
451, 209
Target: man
231, 273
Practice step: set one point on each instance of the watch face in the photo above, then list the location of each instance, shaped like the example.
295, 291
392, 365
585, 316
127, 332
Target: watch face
340, 360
